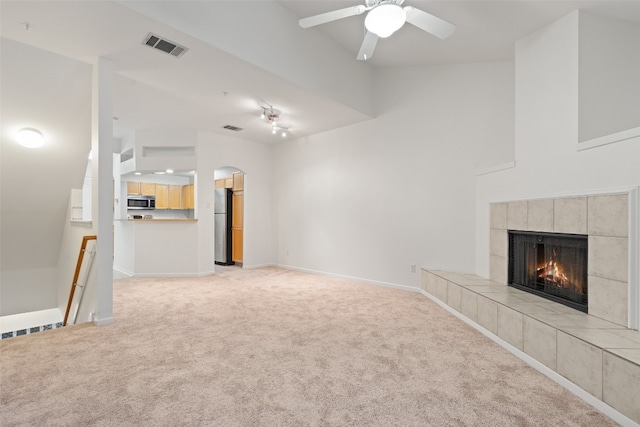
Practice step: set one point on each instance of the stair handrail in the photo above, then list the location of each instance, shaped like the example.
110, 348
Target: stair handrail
76, 275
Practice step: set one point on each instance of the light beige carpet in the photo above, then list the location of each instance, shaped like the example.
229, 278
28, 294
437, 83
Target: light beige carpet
272, 347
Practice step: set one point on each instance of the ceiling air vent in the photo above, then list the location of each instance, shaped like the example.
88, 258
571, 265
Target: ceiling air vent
233, 128
164, 45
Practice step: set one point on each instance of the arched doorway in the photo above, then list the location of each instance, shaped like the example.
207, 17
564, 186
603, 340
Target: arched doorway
228, 217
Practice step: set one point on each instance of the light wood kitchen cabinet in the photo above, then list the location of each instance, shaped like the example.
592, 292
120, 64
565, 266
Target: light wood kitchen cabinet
141, 188
147, 188
188, 197
175, 197
162, 196
237, 226
133, 187
224, 183
237, 181
236, 245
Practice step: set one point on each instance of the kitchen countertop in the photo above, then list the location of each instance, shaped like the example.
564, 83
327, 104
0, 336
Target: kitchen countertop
163, 220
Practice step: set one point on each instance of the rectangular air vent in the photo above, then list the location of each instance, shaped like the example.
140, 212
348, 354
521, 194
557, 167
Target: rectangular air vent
164, 45
233, 128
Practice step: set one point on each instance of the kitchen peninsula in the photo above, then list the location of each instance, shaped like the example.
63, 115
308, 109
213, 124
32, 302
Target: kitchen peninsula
156, 233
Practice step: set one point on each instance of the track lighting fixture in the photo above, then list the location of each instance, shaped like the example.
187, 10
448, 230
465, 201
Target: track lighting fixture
272, 116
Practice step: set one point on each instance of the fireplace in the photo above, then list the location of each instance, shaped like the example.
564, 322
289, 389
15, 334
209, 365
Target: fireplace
551, 265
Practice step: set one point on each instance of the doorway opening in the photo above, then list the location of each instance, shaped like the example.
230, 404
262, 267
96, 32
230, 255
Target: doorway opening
228, 214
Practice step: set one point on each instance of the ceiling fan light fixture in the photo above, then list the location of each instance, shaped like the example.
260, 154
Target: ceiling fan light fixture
385, 19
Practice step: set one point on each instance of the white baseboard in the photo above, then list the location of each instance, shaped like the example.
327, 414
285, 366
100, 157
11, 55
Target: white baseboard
601, 406
123, 271
103, 321
255, 266
147, 275
353, 278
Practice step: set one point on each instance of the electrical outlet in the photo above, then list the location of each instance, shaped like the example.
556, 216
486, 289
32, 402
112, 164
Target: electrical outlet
413, 268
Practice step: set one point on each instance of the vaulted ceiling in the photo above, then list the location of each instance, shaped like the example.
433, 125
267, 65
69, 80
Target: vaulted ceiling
248, 54
243, 56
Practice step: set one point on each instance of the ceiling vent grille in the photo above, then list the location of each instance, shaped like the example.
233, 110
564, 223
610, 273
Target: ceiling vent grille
233, 128
164, 45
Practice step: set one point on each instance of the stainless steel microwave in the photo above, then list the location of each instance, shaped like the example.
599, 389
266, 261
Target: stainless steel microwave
141, 202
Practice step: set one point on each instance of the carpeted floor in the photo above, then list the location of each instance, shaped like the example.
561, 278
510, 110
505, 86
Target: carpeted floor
272, 347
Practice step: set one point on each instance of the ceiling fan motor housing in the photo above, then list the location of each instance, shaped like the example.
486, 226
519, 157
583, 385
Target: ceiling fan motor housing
373, 3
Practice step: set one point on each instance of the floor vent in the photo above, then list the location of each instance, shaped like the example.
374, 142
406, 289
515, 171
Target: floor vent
233, 128
164, 45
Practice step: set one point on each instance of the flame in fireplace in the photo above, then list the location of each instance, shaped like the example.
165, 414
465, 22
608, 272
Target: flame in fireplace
551, 273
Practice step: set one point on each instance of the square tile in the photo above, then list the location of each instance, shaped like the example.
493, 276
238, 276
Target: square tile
454, 296
499, 243
621, 385
629, 334
608, 257
488, 314
608, 299
540, 215
580, 363
441, 289
430, 282
517, 215
505, 298
608, 215
510, 326
469, 304
498, 269
570, 215
498, 214
630, 354
575, 320
603, 338
540, 342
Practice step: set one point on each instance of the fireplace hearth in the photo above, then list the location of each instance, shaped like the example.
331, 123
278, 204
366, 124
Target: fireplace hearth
551, 265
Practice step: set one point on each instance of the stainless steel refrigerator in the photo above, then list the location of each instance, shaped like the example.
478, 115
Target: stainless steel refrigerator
222, 209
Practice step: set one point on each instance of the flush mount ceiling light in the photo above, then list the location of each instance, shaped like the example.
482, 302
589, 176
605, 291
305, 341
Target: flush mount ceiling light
30, 138
385, 19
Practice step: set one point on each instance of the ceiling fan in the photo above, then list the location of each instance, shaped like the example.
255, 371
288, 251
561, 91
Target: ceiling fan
384, 17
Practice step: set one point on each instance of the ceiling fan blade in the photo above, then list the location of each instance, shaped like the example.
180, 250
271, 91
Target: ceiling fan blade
429, 23
334, 15
368, 46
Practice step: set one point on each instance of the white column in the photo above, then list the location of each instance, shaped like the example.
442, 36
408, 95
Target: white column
102, 185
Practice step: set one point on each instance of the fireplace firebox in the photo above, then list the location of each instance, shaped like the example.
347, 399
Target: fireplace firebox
553, 266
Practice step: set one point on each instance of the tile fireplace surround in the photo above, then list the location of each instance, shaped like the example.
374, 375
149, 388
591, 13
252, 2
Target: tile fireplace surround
595, 352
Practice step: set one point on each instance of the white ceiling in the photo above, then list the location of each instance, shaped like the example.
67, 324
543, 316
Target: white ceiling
486, 30
210, 87
242, 54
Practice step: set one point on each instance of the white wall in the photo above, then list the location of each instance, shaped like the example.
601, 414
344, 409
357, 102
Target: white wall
371, 199
547, 162
35, 183
609, 79
255, 160
27, 290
